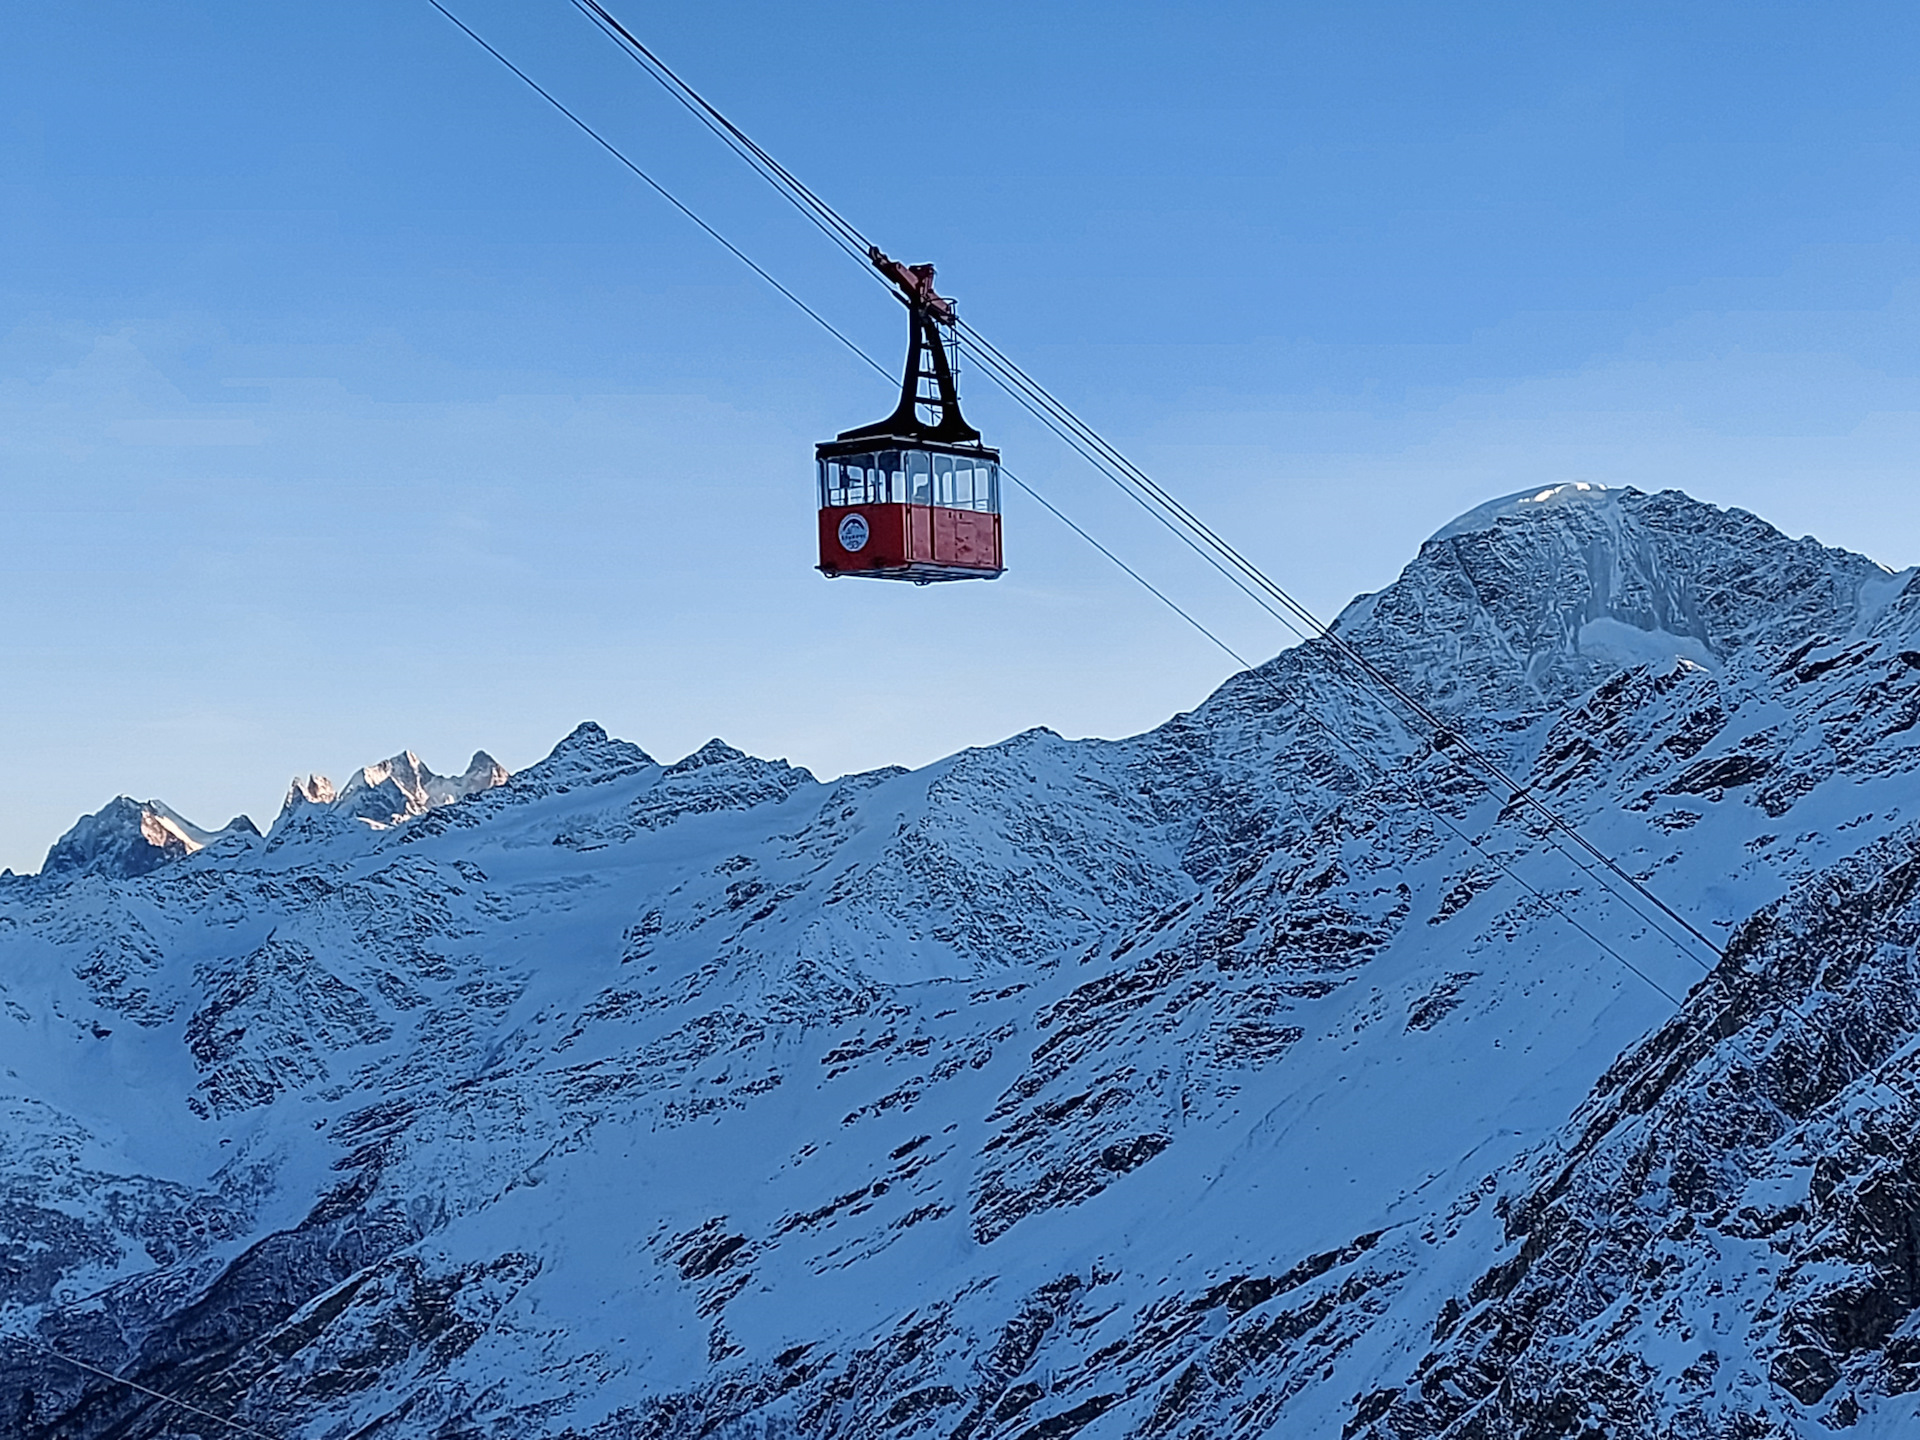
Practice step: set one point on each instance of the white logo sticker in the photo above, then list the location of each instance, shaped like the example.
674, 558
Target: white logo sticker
853, 532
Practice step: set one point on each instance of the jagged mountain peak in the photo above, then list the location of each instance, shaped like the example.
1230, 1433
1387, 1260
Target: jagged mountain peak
128, 838
404, 769
586, 755
314, 790
1525, 602
394, 790
714, 752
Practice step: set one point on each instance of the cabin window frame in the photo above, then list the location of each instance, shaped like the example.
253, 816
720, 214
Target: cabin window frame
905, 475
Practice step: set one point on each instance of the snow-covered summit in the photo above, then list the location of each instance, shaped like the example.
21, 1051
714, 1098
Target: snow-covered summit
1523, 503
1528, 601
394, 790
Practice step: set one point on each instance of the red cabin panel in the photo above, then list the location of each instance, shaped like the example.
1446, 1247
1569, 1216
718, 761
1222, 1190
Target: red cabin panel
909, 542
857, 538
966, 537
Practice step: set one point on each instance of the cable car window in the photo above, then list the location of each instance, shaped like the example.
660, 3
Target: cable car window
911, 477
965, 483
841, 483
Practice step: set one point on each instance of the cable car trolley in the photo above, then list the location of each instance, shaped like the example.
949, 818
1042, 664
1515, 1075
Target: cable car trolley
915, 496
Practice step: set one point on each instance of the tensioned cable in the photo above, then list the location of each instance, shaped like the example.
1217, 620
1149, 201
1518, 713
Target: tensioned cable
1410, 788
795, 191
1059, 428
653, 184
1287, 621
1292, 625
1446, 736
1305, 627
1248, 667
148, 1390
1037, 399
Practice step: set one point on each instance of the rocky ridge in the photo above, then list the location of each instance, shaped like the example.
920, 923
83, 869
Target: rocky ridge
1263, 1074
394, 790
131, 837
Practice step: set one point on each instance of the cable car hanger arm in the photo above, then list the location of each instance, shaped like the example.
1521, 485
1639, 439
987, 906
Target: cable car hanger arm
915, 286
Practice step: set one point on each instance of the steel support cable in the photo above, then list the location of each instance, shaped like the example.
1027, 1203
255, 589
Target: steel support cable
147, 1390
1409, 789
1075, 441
1446, 735
1030, 393
880, 369
828, 220
1304, 710
653, 184
712, 112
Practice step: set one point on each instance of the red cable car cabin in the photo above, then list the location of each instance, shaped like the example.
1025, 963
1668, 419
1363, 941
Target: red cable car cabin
915, 496
913, 513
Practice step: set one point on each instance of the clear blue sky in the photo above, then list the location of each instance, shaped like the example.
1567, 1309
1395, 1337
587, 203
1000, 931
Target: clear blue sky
351, 401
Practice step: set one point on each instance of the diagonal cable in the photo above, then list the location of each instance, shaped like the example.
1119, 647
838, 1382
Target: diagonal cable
1033, 396
135, 1385
654, 184
1065, 422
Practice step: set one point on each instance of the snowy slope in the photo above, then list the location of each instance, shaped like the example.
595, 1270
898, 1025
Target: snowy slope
1263, 1074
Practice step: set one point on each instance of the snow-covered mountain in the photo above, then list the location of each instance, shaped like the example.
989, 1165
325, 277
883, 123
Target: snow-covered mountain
1265, 1074
393, 790
130, 837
